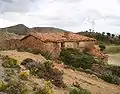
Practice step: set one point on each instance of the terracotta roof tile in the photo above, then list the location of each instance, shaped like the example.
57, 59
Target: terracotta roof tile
60, 37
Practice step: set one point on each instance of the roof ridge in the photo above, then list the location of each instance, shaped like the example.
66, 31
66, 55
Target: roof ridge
55, 37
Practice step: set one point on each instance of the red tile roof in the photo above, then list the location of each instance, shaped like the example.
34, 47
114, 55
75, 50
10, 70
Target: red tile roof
77, 37
59, 37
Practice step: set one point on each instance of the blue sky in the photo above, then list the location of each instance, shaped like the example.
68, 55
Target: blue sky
73, 15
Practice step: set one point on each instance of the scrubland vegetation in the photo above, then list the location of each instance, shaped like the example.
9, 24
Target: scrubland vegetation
89, 64
16, 81
45, 71
76, 89
81, 61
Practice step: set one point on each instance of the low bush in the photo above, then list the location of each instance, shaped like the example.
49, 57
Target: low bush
102, 47
2, 86
110, 78
109, 73
75, 90
115, 69
45, 71
77, 59
10, 62
24, 75
47, 89
13, 87
47, 55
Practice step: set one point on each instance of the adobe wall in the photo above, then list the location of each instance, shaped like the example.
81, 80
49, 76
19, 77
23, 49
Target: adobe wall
71, 45
79, 45
34, 43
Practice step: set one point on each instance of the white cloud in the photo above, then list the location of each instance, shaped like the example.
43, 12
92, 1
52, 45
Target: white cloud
74, 15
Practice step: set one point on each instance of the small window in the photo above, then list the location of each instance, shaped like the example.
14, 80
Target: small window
77, 44
62, 44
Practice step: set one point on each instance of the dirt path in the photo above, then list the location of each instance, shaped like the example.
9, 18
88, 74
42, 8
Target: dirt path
90, 82
114, 59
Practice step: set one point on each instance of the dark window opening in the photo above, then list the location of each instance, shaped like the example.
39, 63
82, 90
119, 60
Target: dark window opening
63, 45
77, 44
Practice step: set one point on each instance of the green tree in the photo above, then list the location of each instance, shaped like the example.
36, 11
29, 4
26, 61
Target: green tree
102, 47
113, 35
119, 36
103, 33
108, 34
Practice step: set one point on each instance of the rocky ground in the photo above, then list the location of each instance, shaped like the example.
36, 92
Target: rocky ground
86, 81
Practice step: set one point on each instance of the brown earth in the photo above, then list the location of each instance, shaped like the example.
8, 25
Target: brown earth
87, 81
20, 56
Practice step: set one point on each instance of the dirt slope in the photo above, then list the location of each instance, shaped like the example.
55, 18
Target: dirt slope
90, 82
20, 56
95, 85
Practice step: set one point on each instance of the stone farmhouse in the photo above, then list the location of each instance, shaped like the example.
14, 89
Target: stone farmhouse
54, 42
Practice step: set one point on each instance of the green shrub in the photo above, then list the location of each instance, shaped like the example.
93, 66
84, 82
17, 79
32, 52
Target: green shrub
48, 64
24, 75
109, 73
75, 90
47, 89
110, 78
2, 86
14, 87
115, 69
10, 62
77, 59
102, 47
47, 55
45, 71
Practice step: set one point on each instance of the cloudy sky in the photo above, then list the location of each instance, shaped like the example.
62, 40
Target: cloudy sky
73, 15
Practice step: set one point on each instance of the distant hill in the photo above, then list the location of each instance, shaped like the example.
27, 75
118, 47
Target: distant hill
47, 29
19, 29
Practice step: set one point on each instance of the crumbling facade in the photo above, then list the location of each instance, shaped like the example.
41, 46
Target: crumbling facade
54, 42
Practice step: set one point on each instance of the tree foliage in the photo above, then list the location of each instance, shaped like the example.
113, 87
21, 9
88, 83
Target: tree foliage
102, 47
106, 38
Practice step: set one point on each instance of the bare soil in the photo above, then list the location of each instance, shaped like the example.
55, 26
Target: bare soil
114, 59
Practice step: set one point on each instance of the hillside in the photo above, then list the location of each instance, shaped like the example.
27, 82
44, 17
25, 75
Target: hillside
47, 29
17, 29
21, 29
90, 82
